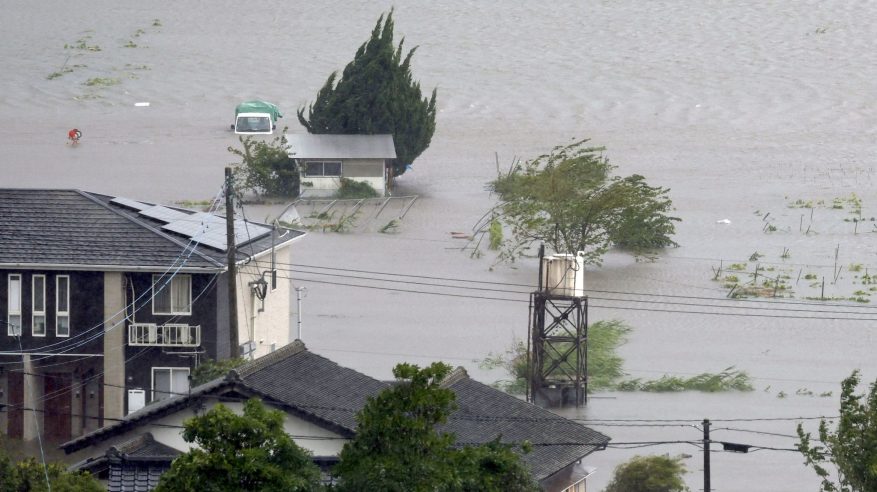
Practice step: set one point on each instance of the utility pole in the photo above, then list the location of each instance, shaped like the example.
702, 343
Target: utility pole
231, 249
706, 455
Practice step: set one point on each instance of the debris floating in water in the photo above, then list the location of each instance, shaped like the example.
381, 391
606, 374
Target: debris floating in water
141, 104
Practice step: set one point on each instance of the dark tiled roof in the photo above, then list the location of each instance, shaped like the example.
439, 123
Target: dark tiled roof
485, 414
312, 384
143, 447
323, 392
132, 466
79, 229
129, 477
149, 412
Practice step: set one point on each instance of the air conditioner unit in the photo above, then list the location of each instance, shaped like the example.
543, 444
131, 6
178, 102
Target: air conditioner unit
563, 275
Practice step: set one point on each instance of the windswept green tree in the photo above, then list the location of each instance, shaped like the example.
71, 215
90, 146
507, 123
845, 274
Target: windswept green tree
570, 200
240, 452
266, 168
376, 94
851, 447
649, 474
397, 446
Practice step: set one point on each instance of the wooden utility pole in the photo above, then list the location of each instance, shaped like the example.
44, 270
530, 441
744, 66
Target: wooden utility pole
231, 249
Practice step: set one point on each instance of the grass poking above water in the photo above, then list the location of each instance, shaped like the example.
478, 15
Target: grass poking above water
606, 367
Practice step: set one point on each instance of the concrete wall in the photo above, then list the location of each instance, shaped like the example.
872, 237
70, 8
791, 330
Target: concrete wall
264, 322
114, 346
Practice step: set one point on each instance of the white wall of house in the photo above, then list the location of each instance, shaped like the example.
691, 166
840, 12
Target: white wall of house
271, 326
371, 171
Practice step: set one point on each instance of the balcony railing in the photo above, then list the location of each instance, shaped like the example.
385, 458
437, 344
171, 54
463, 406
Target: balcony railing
167, 335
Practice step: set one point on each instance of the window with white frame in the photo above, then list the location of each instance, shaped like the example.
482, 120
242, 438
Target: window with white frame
169, 381
38, 327
13, 305
322, 168
171, 295
62, 306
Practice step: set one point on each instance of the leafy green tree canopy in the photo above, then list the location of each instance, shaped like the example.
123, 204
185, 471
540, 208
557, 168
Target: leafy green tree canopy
649, 474
266, 168
397, 446
376, 94
248, 452
29, 475
570, 200
851, 447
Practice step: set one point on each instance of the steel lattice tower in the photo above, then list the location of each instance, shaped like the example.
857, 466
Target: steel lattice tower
558, 350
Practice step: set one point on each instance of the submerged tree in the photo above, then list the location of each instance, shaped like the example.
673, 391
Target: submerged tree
649, 474
266, 168
248, 452
851, 447
397, 445
570, 200
376, 94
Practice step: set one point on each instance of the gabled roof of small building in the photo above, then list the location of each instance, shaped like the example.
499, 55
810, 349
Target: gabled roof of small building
78, 230
320, 391
134, 465
326, 146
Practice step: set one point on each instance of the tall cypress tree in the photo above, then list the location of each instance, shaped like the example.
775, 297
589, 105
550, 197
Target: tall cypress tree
376, 94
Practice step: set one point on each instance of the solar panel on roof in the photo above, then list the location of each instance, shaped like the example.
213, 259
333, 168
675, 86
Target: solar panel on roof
209, 230
189, 228
215, 239
163, 214
213, 221
127, 202
248, 231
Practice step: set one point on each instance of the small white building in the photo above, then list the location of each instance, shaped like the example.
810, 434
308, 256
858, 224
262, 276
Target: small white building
324, 159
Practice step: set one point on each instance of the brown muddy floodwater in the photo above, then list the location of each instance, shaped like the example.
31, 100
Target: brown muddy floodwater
739, 108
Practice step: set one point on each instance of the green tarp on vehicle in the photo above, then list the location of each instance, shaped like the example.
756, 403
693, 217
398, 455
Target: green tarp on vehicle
259, 107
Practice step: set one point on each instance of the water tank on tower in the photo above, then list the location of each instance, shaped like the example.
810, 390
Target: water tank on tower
563, 275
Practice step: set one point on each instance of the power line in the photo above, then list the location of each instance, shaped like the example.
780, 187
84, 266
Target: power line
591, 304
777, 305
531, 287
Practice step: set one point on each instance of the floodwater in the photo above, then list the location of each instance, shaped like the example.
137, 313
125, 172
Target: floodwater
740, 108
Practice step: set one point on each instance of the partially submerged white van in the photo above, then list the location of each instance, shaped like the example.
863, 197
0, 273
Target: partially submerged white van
255, 117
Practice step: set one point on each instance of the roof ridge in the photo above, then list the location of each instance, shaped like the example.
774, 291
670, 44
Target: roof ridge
150, 228
458, 374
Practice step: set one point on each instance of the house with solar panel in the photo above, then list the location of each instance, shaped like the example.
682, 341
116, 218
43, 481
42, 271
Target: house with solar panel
324, 160
320, 400
108, 303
